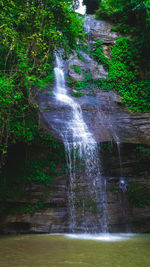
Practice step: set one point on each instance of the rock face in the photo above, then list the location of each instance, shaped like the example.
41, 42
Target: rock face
104, 114
74, 76
96, 30
50, 219
100, 30
88, 64
126, 211
110, 122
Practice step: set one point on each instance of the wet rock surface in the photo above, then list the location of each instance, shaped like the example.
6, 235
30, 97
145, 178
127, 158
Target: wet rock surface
103, 113
52, 218
96, 70
110, 121
96, 30
102, 110
126, 211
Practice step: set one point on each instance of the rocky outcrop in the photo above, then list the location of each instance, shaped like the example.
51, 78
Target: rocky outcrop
96, 30
75, 61
52, 217
100, 30
107, 50
104, 114
126, 211
88, 64
108, 119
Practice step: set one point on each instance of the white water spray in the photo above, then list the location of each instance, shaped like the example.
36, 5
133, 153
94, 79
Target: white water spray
81, 8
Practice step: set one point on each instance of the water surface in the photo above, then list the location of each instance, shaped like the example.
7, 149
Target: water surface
64, 251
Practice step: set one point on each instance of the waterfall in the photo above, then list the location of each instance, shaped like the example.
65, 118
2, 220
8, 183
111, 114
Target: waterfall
87, 188
81, 8
122, 182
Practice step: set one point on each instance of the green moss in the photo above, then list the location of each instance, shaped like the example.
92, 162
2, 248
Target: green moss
77, 69
77, 94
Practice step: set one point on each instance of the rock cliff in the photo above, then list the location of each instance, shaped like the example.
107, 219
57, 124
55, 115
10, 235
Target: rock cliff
111, 123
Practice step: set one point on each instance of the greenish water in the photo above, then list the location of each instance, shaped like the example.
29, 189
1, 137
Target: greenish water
59, 250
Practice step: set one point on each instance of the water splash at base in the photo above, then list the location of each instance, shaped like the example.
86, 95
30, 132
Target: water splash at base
101, 237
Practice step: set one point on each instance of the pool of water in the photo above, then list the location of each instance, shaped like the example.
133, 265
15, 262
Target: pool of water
75, 250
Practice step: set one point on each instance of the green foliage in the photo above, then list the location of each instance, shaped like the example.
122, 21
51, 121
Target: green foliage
29, 208
77, 94
144, 152
30, 31
27, 165
124, 76
79, 85
123, 64
129, 66
77, 69
83, 47
96, 50
87, 84
97, 53
137, 95
139, 195
133, 15
36, 173
25, 208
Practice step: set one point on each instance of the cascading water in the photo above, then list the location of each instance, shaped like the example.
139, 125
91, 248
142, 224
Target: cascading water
122, 182
123, 189
87, 189
81, 8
